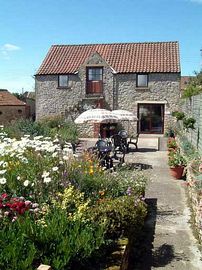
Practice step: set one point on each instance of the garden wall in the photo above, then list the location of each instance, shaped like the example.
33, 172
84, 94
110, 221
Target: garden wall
195, 203
193, 108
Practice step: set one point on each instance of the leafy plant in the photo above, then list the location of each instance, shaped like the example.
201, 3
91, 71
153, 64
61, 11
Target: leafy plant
194, 87
188, 123
171, 143
175, 159
178, 115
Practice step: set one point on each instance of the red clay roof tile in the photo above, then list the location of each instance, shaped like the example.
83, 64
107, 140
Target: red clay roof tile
122, 57
7, 99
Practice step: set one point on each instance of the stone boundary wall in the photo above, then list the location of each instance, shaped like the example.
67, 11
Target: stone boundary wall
192, 107
195, 203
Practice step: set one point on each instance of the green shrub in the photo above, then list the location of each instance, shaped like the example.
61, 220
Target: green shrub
17, 251
178, 115
59, 241
18, 128
123, 215
54, 240
188, 123
48, 127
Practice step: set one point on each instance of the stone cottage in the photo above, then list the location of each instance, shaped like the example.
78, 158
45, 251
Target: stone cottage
143, 78
11, 108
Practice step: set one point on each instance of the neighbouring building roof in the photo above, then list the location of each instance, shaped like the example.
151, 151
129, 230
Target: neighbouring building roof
30, 95
185, 80
122, 57
7, 99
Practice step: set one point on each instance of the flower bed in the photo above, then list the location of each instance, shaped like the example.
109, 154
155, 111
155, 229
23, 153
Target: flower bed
59, 210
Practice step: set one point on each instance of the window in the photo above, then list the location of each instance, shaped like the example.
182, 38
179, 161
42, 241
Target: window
94, 74
63, 80
94, 77
142, 80
19, 111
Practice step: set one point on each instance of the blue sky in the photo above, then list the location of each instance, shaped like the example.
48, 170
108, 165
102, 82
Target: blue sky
29, 27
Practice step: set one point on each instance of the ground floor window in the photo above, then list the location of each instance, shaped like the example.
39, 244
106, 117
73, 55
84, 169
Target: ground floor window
151, 118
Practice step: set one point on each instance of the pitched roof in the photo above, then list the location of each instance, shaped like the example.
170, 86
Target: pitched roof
122, 57
30, 95
185, 80
7, 99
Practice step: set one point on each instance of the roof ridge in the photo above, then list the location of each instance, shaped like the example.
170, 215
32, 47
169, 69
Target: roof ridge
114, 43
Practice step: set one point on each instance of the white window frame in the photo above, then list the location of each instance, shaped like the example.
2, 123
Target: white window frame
65, 78
142, 85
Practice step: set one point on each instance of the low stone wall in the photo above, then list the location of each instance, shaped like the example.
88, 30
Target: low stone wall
195, 203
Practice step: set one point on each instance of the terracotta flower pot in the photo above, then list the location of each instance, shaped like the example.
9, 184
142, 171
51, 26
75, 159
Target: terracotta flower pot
177, 172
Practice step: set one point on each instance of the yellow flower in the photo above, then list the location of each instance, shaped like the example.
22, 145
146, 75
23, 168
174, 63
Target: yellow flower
91, 171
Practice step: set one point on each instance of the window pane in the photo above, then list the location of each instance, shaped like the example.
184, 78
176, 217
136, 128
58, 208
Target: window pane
142, 79
63, 80
90, 77
95, 74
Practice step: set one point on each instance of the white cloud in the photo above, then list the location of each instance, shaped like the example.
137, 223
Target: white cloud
10, 47
7, 48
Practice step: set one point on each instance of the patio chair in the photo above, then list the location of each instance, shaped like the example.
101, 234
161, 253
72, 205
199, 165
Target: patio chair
103, 150
134, 140
119, 147
124, 135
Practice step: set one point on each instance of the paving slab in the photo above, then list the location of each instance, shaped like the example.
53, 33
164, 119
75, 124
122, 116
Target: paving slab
170, 241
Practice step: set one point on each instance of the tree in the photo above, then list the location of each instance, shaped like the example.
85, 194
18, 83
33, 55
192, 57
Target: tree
194, 86
19, 96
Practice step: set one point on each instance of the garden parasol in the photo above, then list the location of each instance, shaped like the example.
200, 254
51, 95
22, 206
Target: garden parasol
96, 116
125, 115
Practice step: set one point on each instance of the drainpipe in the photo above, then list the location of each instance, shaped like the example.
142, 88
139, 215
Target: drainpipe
114, 91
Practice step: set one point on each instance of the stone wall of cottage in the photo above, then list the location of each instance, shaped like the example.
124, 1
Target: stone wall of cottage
162, 88
119, 92
9, 113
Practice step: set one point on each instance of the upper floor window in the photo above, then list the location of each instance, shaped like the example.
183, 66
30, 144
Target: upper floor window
142, 80
94, 79
63, 80
94, 74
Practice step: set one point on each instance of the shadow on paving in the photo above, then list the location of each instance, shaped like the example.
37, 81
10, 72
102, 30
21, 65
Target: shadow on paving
142, 150
141, 252
139, 166
142, 256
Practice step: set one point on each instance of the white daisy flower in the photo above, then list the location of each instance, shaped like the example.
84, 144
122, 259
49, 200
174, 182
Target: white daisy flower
45, 174
55, 169
3, 180
2, 171
47, 180
26, 183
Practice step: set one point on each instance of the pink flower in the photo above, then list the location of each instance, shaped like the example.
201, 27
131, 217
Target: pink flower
27, 203
4, 196
14, 219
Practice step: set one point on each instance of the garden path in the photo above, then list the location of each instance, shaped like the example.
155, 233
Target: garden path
168, 241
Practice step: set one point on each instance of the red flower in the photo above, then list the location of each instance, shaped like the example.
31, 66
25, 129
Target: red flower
4, 196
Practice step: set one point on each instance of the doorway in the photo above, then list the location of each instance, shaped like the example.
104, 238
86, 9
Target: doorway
151, 118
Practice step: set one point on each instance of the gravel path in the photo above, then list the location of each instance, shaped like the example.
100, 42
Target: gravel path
168, 241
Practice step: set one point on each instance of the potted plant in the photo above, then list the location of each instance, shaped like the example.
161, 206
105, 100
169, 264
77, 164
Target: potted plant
176, 163
172, 144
